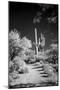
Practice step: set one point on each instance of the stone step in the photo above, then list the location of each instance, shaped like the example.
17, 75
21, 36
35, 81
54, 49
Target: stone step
44, 75
36, 64
43, 72
39, 69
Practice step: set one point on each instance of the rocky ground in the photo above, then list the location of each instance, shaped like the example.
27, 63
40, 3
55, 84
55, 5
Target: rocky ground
36, 74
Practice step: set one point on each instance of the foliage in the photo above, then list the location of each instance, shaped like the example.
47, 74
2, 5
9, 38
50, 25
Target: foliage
21, 54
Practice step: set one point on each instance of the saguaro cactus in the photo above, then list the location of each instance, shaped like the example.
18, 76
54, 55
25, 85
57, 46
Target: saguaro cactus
41, 41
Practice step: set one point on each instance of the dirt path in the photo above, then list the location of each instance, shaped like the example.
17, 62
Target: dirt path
36, 74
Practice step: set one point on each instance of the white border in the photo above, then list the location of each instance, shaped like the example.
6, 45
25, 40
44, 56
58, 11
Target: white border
4, 42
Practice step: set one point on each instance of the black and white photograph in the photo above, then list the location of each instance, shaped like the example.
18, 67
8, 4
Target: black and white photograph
33, 45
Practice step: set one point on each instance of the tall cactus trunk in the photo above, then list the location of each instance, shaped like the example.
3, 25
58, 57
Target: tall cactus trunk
36, 41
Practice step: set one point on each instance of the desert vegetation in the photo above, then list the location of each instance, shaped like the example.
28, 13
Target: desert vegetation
26, 68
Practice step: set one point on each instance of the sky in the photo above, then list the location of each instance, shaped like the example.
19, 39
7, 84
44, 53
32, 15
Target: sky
25, 17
